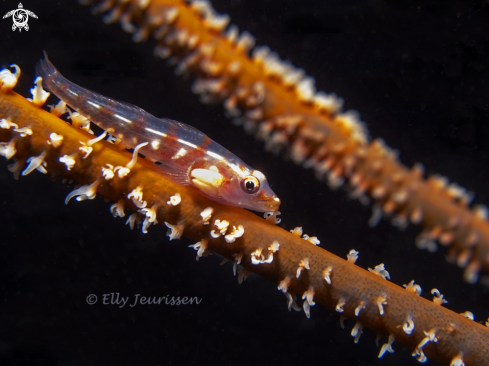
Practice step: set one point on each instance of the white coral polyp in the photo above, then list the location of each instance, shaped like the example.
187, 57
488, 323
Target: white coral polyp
117, 209
108, 173
8, 80
39, 95
175, 200
68, 160
174, 231
55, 140
86, 192
6, 123
36, 163
206, 215
236, 233
24, 131
200, 247
7, 149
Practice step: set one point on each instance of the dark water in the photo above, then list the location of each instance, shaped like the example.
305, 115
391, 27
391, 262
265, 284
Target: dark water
418, 76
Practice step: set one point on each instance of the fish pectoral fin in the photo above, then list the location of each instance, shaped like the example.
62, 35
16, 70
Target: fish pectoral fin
208, 181
173, 172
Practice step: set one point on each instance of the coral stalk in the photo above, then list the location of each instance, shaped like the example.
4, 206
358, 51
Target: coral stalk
295, 264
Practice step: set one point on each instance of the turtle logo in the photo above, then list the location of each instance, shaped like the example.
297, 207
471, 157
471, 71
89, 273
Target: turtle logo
20, 17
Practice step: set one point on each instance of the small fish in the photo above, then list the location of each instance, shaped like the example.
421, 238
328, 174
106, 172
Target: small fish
186, 155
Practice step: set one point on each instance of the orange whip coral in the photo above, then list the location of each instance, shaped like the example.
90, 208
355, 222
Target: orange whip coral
324, 240
40, 141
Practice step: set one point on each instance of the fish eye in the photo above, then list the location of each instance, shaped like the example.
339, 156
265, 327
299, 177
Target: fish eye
250, 184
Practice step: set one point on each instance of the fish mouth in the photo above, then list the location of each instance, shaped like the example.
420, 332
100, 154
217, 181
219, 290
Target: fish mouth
269, 204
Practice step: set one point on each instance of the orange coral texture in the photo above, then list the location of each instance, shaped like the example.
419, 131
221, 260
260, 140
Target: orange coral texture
350, 284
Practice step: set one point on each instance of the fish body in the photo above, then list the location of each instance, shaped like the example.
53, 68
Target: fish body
186, 155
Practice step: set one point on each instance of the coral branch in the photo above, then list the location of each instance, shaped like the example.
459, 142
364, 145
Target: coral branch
279, 103
295, 264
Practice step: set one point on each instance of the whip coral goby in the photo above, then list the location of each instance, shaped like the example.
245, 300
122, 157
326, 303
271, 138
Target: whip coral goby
185, 155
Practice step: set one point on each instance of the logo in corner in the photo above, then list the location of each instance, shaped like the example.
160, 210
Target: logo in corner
20, 17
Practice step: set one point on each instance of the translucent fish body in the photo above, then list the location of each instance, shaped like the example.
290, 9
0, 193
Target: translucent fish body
186, 155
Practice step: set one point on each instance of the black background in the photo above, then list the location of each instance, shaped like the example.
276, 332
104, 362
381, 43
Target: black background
416, 73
